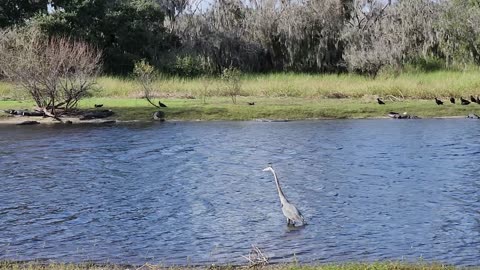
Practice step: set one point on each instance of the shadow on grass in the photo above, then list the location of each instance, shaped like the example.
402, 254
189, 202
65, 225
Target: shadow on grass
145, 113
195, 113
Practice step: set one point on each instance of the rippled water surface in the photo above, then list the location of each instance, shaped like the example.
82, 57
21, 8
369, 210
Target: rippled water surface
195, 193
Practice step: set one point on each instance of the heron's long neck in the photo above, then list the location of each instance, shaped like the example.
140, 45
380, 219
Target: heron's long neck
280, 192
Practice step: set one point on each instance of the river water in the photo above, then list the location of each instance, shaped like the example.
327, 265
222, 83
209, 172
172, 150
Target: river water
195, 193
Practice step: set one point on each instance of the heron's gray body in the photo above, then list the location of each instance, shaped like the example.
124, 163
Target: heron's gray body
289, 210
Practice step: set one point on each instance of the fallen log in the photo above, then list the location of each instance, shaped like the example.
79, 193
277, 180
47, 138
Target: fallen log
47, 113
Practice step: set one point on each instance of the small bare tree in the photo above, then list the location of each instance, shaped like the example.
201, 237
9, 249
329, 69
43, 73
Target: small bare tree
55, 71
231, 77
145, 74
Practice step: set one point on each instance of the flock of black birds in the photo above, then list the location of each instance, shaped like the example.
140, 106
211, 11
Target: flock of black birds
462, 100
452, 100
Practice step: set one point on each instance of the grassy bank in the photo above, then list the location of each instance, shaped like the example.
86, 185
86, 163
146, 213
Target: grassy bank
281, 96
221, 108
349, 266
408, 85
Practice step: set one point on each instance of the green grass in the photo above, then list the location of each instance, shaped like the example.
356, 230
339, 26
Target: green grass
407, 85
6, 90
347, 266
221, 108
281, 96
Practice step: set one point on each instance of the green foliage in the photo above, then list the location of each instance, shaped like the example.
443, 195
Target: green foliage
18, 11
190, 66
311, 36
144, 71
126, 31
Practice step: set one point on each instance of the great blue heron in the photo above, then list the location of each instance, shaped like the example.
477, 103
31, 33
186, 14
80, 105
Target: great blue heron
289, 210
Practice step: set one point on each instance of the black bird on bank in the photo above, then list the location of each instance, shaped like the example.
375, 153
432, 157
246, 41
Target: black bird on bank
464, 101
251, 103
380, 101
473, 99
98, 105
161, 104
438, 101
452, 100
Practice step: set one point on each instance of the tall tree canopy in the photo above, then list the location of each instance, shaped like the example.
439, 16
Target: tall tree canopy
190, 37
17, 11
126, 31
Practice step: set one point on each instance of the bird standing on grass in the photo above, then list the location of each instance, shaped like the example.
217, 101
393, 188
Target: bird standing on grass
380, 101
98, 105
452, 100
464, 101
438, 101
289, 210
473, 99
161, 104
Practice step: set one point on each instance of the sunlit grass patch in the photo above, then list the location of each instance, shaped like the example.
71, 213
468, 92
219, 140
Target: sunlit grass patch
281, 96
406, 85
413, 85
221, 108
287, 108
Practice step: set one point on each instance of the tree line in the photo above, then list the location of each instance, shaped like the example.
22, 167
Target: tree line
195, 37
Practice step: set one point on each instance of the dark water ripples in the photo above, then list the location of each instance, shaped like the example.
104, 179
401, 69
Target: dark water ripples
194, 193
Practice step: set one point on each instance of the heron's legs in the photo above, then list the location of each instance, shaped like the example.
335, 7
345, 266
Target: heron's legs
288, 221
